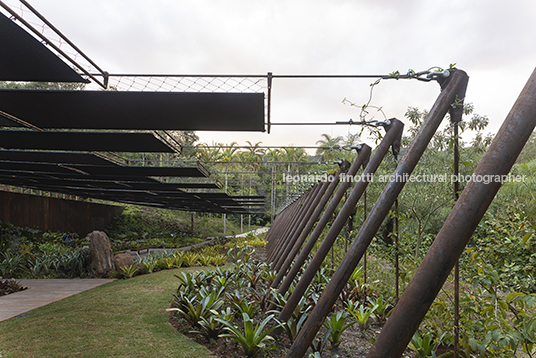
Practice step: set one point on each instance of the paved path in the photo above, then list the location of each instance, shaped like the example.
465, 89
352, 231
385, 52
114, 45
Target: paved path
254, 232
43, 292
188, 248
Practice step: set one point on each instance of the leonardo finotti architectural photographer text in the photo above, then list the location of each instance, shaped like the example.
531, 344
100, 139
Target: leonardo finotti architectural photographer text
414, 178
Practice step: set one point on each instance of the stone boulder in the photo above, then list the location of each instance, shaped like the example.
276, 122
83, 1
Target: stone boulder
123, 260
102, 258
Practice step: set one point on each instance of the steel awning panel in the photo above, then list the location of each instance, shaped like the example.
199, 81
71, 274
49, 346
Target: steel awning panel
87, 163
125, 188
24, 58
186, 202
110, 184
120, 171
82, 141
172, 186
53, 157
67, 178
31, 167
136, 110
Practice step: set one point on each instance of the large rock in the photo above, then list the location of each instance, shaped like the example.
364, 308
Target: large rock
102, 258
123, 260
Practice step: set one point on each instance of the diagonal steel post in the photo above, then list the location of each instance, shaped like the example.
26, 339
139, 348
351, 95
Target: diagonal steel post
313, 212
307, 210
294, 220
277, 225
287, 216
378, 213
459, 226
391, 138
361, 159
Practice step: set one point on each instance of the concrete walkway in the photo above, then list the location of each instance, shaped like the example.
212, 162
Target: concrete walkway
43, 292
188, 248
258, 231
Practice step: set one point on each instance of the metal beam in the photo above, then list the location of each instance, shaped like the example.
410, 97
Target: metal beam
459, 226
378, 213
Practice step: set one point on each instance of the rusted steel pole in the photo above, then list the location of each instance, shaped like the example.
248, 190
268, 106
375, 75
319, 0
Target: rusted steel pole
288, 217
456, 114
393, 134
277, 223
308, 210
459, 226
377, 215
318, 205
456, 185
314, 212
397, 259
361, 159
277, 226
291, 217
295, 219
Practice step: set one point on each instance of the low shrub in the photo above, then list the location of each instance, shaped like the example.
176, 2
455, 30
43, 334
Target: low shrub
10, 286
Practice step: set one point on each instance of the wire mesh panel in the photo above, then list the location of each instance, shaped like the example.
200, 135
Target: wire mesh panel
195, 83
189, 83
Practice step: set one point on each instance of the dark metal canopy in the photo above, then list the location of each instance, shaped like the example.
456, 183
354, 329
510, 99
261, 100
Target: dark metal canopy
83, 141
143, 184
136, 110
23, 58
85, 163
177, 199
88, 175
119, 171
53, 157
62, 162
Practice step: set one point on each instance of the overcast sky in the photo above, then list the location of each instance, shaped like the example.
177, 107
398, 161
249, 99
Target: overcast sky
493, 41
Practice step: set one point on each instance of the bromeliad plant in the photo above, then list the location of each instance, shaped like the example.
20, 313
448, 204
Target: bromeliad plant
361, 314
382, 307
147, 263
337, 324
211, 327
129, 271
426, 345
292, 326
10, 286
253, 337
203, 305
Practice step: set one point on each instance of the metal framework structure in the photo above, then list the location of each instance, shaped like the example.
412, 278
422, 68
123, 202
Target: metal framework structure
293, 232
284, 244
35, 157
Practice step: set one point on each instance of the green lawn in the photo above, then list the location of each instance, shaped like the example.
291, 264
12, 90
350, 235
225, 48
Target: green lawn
124, 318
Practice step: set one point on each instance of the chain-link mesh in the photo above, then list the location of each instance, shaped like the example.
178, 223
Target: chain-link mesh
192, 83
189, 83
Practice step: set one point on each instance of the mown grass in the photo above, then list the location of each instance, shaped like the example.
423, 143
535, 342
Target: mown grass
124, 318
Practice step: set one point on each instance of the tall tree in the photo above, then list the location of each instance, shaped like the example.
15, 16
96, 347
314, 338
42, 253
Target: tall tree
328, 142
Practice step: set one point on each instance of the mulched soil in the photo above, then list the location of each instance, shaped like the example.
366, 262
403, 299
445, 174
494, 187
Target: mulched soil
352, 346
354, 343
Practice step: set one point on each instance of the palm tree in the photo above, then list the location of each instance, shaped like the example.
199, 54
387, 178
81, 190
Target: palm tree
207, 153
254, 155
328, 142
294, 155
229, 153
